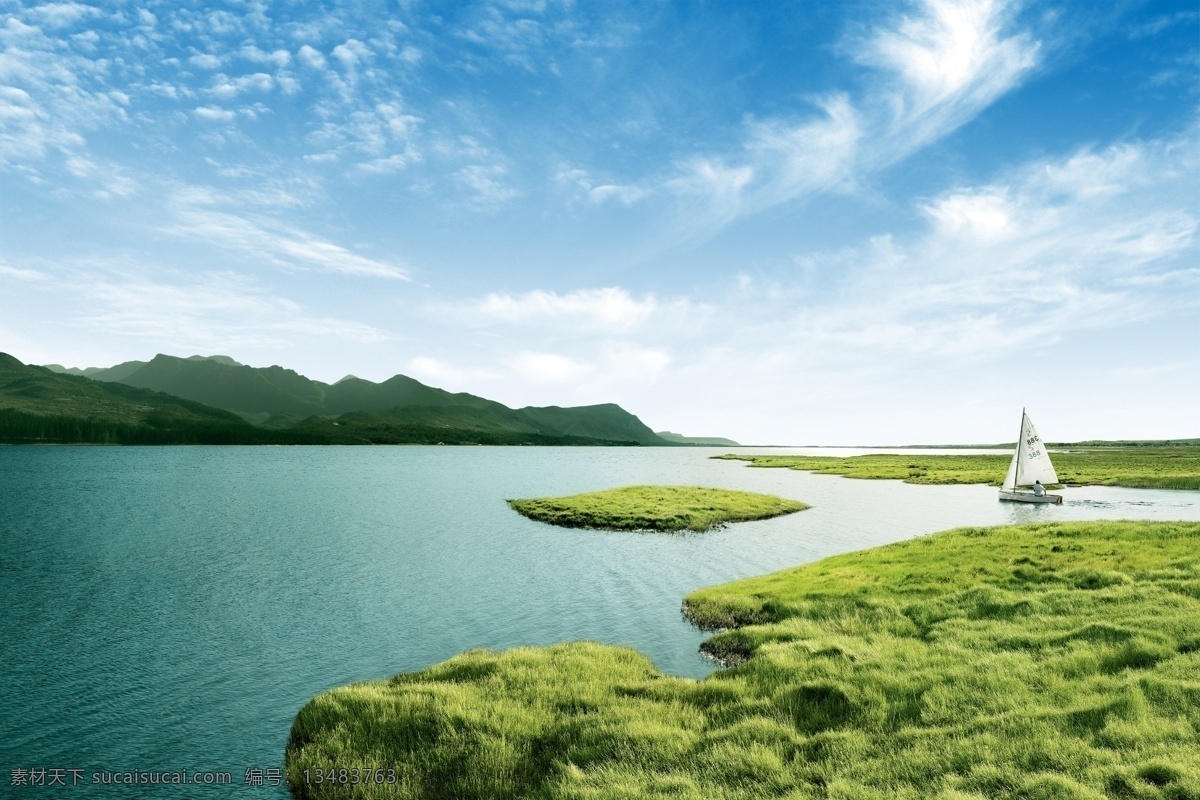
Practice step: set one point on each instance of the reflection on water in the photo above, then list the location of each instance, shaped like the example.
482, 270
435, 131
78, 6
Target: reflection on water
172, 608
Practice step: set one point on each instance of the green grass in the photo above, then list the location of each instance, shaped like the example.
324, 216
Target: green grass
656, 508
1144, 468
1041, 661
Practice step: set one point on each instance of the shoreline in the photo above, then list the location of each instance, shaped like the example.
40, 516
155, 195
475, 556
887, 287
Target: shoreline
856, 645
1127, 467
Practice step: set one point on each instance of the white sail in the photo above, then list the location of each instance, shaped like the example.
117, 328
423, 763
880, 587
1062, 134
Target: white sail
1010, 480
1031, 462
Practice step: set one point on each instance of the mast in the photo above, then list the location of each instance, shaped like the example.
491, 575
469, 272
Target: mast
1020, 436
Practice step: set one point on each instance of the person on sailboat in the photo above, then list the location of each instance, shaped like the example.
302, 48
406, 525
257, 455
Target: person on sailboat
1038, 489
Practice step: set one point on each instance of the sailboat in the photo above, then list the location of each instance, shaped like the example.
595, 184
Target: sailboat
1030, 463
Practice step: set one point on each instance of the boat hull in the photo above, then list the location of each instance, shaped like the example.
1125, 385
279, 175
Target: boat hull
1030, 497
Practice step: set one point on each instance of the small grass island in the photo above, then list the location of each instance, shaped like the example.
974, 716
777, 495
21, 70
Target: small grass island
1039, 661
655, 508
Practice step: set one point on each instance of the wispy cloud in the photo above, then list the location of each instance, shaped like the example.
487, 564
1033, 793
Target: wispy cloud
214, 114
528, 37
205, 61
946, 63
23, 274
227, 88
62, 15
780, 161
49, 100
610, 310
209, 312
162, 309
277, 243
382, 134
939, 66
486, 185
1057, 246
549, 368
600, 192
444, 374
1053, 252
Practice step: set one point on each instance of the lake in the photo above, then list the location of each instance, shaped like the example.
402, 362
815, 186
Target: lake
172, 608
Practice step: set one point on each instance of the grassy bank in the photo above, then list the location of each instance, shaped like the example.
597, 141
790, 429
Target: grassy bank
656, 508
1144, 468
1042, 661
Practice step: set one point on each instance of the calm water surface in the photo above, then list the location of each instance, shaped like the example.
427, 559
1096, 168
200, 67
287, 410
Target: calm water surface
173, 608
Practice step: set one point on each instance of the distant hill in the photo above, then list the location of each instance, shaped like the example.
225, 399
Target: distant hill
1127, 443
398, 410
100, 373
434, 425
714, 441
59, 368
230, 385
39, 406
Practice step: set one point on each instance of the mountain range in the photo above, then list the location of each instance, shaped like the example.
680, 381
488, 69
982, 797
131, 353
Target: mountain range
216, 399
38, 406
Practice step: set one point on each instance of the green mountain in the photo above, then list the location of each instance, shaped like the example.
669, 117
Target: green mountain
707, 441
40, 406
100, 373
59, 368
436, 425
279, 398
232, 386
353, 410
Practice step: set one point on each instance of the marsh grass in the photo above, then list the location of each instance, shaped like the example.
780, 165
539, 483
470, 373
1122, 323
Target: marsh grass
655, 508
1143, 468
1041, 661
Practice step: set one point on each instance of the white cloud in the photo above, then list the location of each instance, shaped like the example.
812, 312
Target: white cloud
517, 41
781, 161
22, 274
227, 88
1023, 261
598, 193
1162, 22
205, 61
798, 159
486, 183
385, 166
626, 195
311, 57
50, 96
214, 114
445, 375
549, 368
278, 58
385, 132
983, 216
596, 371
609, 309
110, 179
627, 361
210, 312
1031, 287
275, 243
61, 15
351, 53
949, 62
941, 67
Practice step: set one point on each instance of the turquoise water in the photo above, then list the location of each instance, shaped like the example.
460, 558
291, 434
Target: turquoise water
172, 608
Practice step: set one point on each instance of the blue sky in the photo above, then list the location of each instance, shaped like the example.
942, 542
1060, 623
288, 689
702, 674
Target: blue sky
859, 222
